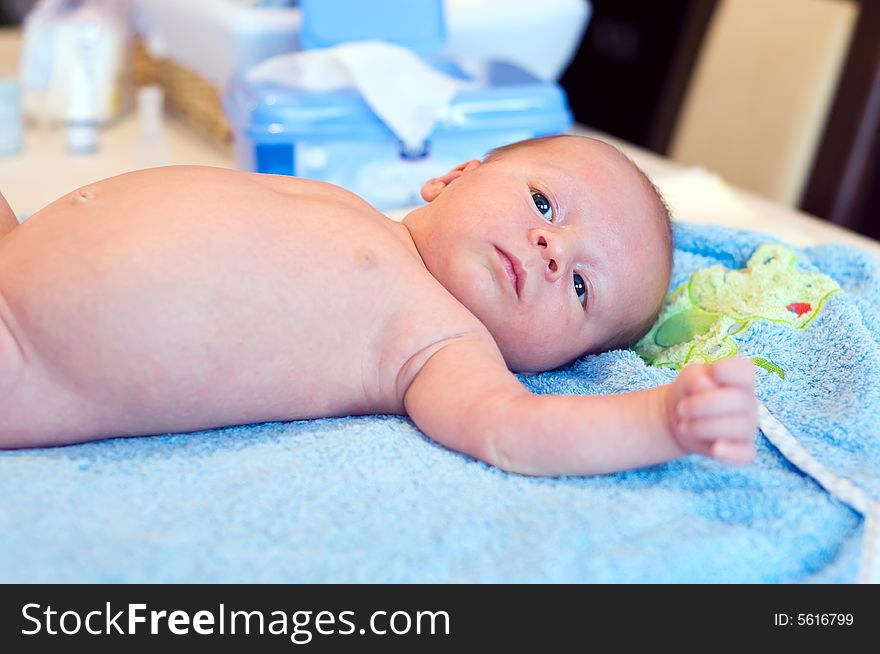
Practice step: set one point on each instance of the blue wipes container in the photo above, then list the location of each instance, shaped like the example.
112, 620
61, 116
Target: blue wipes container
335, 136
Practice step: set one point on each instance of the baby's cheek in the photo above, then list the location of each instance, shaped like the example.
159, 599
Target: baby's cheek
537, 346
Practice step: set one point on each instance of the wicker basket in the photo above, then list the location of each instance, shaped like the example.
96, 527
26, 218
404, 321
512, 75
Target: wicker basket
187, 93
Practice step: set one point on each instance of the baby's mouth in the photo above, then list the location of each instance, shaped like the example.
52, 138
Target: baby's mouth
511, 269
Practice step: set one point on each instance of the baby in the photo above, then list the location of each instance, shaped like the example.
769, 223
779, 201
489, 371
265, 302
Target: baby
183, 298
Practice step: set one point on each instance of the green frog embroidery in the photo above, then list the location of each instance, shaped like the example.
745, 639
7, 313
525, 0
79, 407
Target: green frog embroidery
700, 318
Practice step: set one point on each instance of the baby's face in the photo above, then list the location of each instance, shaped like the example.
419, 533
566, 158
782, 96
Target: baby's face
556, 247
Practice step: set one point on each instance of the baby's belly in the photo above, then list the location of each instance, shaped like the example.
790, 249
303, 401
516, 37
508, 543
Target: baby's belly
179, 314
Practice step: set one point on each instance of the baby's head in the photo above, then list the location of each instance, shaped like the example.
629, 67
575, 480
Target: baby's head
561, 246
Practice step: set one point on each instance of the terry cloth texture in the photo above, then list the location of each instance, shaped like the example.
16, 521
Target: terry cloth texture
370, 499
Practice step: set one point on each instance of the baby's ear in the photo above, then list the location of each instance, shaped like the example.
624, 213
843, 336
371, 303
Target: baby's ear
433, 187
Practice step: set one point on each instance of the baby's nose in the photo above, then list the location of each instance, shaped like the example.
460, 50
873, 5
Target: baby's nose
553, 251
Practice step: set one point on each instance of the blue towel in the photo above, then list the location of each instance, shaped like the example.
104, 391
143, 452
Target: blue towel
371, 499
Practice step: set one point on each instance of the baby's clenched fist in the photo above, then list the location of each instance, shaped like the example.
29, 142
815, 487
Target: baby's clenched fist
713, 411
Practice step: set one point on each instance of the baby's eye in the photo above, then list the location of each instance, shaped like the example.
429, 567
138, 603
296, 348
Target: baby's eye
580, 288
543, 205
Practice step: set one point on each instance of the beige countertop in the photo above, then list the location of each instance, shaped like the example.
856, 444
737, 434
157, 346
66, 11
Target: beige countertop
44, 171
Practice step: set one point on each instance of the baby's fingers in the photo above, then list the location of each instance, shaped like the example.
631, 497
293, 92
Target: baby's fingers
734, 452
695, 378
734, 372
737, 428
717, 402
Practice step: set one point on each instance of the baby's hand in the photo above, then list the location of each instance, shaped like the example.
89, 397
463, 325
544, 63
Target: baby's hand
713, 410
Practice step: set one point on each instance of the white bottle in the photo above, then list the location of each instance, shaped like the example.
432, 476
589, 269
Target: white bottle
152, 145
81, 117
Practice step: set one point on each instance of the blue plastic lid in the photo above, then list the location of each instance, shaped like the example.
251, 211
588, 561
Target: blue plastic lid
416, 24
512, 100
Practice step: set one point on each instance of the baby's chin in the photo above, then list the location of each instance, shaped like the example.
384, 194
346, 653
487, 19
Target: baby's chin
532, 358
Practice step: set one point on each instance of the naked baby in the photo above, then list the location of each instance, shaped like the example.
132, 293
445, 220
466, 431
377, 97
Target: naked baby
183, 298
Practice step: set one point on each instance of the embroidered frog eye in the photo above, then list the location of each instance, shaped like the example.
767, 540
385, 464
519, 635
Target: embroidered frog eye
580, 288
543, 205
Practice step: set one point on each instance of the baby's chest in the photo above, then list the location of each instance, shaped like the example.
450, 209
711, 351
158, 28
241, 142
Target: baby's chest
379, 307
341, 280
358, 305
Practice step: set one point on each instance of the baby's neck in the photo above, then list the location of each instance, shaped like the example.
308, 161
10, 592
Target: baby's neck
412, 231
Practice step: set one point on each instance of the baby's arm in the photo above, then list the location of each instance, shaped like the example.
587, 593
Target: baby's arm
465, 398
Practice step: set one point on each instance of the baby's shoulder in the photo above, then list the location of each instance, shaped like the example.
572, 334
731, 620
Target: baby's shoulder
301, 188
422, 314
376, 255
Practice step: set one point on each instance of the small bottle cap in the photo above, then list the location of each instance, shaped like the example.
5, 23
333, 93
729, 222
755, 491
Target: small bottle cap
82, 137
150, 102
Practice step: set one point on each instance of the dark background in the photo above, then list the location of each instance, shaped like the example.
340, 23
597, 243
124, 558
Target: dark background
631, 71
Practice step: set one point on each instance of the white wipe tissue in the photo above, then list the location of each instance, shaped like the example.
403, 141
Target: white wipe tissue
406, 93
